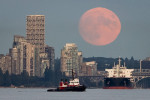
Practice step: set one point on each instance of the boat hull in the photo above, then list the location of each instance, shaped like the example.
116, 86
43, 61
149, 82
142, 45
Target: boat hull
117, 83
117, 87
75, 89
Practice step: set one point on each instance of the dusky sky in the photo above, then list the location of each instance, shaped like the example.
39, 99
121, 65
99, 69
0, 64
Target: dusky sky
62, 22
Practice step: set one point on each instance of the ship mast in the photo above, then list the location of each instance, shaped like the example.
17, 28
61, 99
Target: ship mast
118, 68
72, 75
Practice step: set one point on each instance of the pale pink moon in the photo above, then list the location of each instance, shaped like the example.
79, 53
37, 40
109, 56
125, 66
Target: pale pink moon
99, 26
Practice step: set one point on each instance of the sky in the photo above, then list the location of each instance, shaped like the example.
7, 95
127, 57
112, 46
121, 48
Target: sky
62, 25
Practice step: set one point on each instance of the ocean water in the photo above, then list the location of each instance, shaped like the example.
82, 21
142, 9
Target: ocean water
89, 94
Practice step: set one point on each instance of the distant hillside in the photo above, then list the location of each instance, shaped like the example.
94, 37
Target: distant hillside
104, 63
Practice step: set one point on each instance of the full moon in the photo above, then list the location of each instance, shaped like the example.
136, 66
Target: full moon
99, 26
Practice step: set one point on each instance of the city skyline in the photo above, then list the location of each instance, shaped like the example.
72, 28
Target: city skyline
61, 25
29, 54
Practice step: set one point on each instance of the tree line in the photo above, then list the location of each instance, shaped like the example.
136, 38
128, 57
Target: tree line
24, 80
103, 63
51, 78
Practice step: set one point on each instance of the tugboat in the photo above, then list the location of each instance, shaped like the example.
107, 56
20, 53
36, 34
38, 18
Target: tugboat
73, 85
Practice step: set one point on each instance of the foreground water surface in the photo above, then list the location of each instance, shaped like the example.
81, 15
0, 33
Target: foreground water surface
90, 94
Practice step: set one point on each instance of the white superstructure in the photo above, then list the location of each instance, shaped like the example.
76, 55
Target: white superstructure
74, 82
119, 71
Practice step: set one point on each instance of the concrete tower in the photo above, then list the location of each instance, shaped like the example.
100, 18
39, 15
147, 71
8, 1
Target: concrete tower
35, 31
23, 56
69, 59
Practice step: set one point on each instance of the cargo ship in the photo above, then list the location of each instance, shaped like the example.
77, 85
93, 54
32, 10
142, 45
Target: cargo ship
73, 86
119, 77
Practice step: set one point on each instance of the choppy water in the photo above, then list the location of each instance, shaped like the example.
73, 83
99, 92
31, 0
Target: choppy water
90, 94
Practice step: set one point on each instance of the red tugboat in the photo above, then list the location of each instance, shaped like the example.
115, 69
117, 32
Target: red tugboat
73, 85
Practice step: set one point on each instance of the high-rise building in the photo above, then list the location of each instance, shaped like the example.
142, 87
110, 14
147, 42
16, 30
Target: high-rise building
29, 57
44, 63
89, 68
35, 31
69, 59
92, 68
15, 67
23, 56
17, 53
80, 60
51, 56
5, 63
